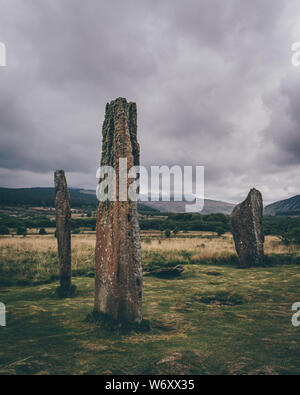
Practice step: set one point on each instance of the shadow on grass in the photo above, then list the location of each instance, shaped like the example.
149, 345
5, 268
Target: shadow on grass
110, 325
62, 293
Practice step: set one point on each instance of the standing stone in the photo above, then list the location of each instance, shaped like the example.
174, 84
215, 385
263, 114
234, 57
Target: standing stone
118, 277
247, 229
63, 231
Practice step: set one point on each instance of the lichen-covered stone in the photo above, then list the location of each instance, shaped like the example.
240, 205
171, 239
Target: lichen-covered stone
63, 230
247, 229
118, 275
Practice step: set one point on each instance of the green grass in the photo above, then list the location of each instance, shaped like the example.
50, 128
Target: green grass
19, 267
192, 329
24, 268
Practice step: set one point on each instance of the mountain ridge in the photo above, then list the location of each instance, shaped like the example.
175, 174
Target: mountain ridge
83, 198
285, 207
80, 197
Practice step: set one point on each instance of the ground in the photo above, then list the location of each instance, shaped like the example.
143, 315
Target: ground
215, 319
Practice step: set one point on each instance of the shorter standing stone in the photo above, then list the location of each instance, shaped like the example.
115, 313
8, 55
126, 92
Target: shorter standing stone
63, 232
247, 229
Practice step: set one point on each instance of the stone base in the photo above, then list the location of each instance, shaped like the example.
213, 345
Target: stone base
109, 324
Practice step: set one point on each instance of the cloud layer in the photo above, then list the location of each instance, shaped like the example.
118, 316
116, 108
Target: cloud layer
213, 81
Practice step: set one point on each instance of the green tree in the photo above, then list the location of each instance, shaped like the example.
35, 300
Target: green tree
286, 238
22, 231
220, 230
167, 233
4, 230
295, 235
42, 231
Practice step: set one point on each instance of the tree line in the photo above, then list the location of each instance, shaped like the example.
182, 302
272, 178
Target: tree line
287, 228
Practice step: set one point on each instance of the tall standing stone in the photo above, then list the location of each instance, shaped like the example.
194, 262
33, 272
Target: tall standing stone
247, 229
63, 231
118, 277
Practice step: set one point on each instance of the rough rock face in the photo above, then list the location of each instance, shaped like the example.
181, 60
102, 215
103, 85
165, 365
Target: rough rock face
247, 229
63, 229
118, 277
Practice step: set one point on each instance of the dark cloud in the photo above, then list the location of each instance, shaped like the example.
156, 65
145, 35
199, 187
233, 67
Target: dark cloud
283, 132
213, 81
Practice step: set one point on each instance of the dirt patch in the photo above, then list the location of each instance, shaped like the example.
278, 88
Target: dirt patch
213, 273
221, 299
172, 364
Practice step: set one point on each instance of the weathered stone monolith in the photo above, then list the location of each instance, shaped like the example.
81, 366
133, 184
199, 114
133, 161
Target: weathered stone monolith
247, 229
118, 277
63, 231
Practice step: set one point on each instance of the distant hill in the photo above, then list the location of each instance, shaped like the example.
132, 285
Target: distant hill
43, 197
284, 207
210, 207
86, 198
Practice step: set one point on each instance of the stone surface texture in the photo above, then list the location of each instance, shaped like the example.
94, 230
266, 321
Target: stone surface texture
118, 275
247, 229
63, 229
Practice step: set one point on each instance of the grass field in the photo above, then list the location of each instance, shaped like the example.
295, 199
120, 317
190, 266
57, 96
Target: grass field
215, 319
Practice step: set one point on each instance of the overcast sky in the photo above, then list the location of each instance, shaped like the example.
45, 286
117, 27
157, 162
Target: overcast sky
212, 79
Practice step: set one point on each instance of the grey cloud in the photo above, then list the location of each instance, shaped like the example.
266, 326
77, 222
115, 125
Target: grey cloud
282, 136
212, 79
